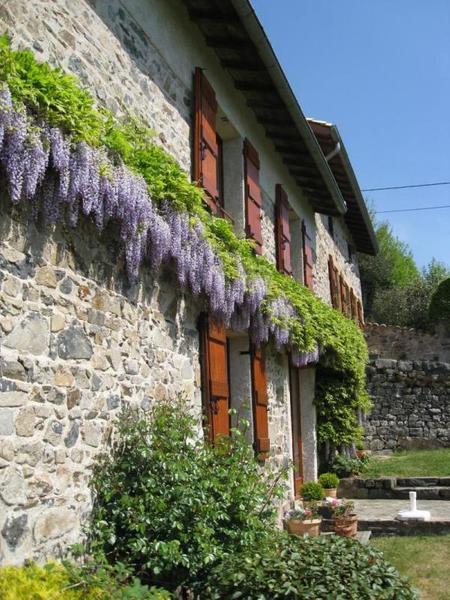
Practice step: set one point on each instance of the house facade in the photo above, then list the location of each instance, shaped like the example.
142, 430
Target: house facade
78, 341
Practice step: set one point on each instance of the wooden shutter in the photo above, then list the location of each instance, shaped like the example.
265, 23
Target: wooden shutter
354, 306
334, 284
282, 231
359, 309
345, 297
253, 200
260, 403
206, 148
308, 259
215, 386
297, 441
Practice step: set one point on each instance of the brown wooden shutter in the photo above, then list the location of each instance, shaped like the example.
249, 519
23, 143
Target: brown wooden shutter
297, 441
334, 284
215, 386
282, 231
206, 148
308, 259
345, 297
354, 306
260, 403
253, 200
359, 309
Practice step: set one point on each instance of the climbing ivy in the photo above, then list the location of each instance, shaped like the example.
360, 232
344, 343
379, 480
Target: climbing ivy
56, 98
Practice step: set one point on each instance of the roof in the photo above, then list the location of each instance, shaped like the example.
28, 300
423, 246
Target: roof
232, 29
357, 217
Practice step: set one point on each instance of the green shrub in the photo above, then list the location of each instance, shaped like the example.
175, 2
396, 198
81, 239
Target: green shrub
311, 490
440, 302
329, 480
348, 467
55, 581
312, 568
171, 505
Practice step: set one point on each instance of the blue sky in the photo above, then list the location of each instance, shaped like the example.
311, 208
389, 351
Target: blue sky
380, 70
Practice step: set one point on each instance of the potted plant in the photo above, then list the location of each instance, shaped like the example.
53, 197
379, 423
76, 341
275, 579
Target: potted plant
303, 520
360, 451
311, 491
345, 518
329, 482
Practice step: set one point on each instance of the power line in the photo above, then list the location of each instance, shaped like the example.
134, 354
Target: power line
397, 210
406, 187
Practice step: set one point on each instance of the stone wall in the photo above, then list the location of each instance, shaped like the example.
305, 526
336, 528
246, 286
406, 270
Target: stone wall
337, 246
411, 404
389, 341
76, 344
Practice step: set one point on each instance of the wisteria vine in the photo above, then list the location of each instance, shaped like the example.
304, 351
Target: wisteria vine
62, 179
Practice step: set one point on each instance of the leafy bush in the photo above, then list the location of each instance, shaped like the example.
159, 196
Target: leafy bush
344, 466
67, 582
308, 568
171, 505
329, 480
311, 490
440, 302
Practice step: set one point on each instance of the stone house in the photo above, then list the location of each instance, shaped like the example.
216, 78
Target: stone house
77, 340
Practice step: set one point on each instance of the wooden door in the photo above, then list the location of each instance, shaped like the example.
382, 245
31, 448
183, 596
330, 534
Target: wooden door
297, 442
215, 386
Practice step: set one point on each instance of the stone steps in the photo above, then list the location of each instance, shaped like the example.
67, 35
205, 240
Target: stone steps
423, 493
393, 488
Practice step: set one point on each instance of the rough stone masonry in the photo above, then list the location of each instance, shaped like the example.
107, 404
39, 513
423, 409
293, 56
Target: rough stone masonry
411, 398
76, 344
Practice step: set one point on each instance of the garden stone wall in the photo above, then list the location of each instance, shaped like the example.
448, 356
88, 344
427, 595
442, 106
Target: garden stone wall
405, 343
411, 404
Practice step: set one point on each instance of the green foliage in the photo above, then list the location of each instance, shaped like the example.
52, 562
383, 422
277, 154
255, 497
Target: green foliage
171, 505
58, 98
394, 290
67, 582
440, 302
311, 490
344, 466
329, 480
307, 568
337, 402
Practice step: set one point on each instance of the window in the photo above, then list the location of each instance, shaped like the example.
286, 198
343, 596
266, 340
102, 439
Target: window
233, 372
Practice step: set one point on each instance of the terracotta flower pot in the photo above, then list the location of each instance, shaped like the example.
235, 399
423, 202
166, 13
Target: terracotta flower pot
330, 492
346, 526
297, 527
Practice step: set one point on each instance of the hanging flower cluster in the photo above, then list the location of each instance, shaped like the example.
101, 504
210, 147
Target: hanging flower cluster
62, 180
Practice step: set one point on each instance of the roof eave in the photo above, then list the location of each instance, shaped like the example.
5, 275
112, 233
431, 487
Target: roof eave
267, 54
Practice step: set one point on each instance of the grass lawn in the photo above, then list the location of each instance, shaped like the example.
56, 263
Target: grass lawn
424, 559
411, 463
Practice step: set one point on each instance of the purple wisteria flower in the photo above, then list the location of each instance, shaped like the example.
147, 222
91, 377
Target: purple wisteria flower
63, 180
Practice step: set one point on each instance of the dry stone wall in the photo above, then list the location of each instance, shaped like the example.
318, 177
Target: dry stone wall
411, 397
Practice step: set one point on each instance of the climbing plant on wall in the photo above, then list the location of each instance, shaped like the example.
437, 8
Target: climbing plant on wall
65, 157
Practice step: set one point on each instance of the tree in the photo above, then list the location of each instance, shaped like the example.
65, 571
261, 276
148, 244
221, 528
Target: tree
395, 292
392, 267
